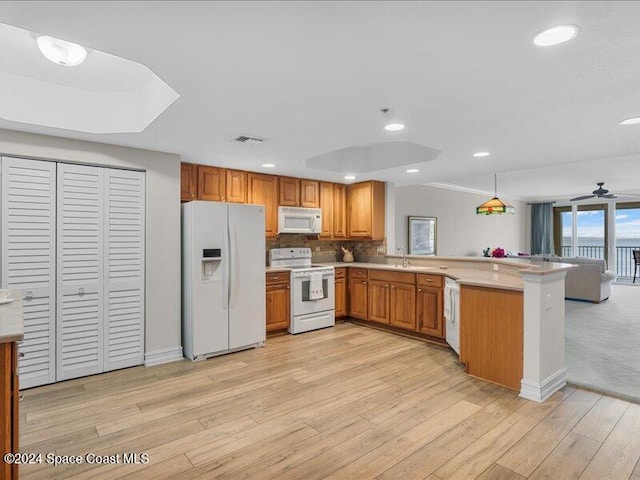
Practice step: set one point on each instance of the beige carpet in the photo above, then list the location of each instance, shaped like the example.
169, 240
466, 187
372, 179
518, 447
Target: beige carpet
603, 343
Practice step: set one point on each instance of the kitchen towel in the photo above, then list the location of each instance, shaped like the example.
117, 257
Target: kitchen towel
315, 286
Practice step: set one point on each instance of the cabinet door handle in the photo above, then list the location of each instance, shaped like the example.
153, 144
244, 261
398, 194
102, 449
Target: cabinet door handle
275, 278
386, 286
287, 287
428, 280
393, 286
364, 283
81, 291
419, 290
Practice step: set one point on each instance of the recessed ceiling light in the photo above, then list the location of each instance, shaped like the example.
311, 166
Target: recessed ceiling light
555, 35
349, 177
61, 52
394, 127
630, 121
268, 165
413, 170
481, 154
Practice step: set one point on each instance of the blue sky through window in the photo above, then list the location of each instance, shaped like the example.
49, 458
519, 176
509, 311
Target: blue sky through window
591, 223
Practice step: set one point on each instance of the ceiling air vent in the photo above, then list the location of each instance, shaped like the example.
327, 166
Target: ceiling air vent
249, 140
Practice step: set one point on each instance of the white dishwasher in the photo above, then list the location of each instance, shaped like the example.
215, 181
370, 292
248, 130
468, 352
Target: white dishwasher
452, 313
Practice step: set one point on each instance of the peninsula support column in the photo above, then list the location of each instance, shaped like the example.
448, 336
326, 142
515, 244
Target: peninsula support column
544, 367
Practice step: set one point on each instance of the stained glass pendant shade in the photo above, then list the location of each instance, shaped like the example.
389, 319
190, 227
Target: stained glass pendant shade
495, 205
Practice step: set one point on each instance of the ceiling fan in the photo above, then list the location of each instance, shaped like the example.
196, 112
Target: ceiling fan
600, 193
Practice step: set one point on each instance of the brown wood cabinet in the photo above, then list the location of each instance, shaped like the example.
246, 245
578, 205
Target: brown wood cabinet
326, 204
341, 292
429, 305
309, 193
339, 210
358, 293
366, 209
289, 195
333, 204
392, 298
278, 300
212, 183
9, 419
491, 334
236, 186
188, 182
263, 190
402, 305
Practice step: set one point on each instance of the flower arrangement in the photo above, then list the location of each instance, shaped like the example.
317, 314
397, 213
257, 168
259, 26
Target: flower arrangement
497, 252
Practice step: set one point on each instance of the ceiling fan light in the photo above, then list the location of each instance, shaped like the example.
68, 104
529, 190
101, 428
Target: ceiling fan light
61, 52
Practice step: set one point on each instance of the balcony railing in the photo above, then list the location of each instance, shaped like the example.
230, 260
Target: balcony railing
624, 257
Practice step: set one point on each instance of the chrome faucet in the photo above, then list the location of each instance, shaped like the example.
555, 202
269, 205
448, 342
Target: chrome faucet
405, 260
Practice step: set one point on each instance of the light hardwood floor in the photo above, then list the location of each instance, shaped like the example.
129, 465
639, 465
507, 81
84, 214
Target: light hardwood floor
342, 403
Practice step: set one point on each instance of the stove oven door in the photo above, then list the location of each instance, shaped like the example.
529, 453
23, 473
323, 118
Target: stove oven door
302, 302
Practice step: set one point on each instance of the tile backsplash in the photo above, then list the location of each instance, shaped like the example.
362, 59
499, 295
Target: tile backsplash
329, 250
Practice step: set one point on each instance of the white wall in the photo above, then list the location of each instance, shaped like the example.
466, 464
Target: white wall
460, 232
163, 272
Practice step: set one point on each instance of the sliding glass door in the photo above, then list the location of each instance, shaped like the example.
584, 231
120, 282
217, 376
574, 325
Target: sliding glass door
627, 237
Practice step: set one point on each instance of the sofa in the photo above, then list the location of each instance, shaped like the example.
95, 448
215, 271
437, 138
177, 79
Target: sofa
591, 281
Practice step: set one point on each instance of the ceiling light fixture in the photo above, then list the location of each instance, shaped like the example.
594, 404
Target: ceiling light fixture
413, 170
349, 177
630, 121
495, 205
555, 35
61, 52
393, 126
481, 154
268, 165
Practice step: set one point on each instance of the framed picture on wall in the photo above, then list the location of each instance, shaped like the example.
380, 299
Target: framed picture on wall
422, 235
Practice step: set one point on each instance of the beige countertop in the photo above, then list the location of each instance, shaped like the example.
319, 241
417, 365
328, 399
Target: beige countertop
11, 320
464, 274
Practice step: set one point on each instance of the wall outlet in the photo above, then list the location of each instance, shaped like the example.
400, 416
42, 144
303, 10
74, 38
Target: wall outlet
381, 249
317, 248
547, 302
495, 267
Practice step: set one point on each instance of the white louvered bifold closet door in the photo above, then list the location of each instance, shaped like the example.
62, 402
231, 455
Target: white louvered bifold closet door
28, 260
124, 269
80, 271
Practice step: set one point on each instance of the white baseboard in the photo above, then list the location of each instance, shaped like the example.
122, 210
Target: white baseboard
166, 355
549, 386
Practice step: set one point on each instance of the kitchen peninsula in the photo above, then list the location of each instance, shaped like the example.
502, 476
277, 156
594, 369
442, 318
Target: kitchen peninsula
511, 313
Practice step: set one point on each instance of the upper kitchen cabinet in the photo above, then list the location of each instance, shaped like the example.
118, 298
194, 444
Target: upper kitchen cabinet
211, 183
366, 210
333, 201
326, 204
263, 190
289, 192
236, 186
188, 181
339, 210
309, 193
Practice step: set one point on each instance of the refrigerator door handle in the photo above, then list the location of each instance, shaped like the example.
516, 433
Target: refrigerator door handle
233, 265
227, 273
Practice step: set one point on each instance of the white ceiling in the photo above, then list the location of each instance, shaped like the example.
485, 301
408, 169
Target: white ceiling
312, 76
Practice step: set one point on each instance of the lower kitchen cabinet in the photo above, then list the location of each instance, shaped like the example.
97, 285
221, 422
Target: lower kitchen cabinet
379, 301
402, 305
429, 305
358, 293
9, 419
341, 293
278, 293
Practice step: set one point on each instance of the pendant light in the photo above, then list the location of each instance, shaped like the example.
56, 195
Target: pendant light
495, 205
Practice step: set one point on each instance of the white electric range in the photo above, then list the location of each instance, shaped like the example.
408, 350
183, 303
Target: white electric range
312, 289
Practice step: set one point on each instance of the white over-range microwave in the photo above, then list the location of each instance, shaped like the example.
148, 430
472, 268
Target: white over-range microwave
299, 220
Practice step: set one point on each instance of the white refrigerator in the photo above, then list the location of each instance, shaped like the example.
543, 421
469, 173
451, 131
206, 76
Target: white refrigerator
223, 278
